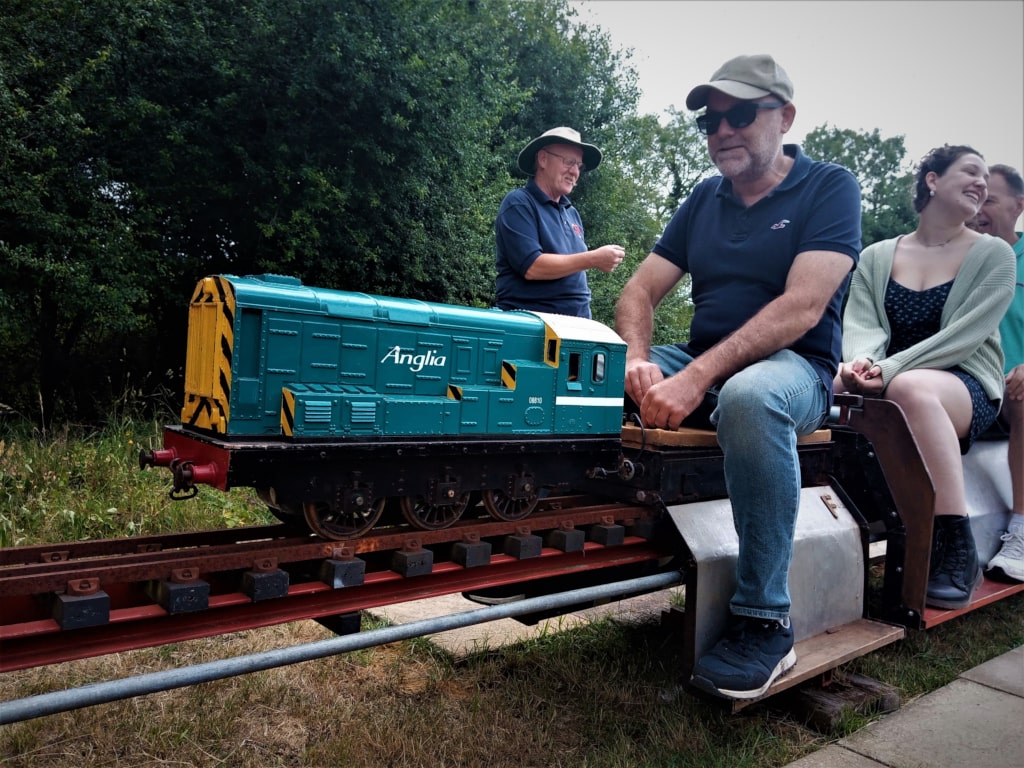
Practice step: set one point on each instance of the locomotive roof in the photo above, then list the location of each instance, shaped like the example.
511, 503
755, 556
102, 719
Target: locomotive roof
579, 328
262, 288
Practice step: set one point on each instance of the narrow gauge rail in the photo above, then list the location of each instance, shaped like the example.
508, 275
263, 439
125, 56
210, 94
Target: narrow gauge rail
73, 601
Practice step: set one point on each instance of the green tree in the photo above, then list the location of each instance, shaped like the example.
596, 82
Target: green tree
682, 160
886, 183
67, 238
363, 145
661, 164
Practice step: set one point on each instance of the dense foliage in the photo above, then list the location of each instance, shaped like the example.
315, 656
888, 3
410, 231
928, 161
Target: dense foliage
886, 184
362, 145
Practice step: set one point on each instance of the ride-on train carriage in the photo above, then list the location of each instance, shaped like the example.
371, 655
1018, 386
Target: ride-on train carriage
330, 403
863, 483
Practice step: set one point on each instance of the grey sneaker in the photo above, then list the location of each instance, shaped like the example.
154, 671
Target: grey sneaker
1010, 559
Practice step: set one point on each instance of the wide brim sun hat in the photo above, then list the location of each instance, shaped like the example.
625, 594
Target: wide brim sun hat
560, 135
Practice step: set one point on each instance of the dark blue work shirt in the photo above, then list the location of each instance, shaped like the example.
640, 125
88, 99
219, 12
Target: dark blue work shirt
530, 223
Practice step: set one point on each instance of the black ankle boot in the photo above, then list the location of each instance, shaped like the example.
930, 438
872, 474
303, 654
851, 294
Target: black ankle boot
955, 571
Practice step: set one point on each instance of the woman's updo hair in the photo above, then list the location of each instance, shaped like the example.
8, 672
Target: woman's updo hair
938, 160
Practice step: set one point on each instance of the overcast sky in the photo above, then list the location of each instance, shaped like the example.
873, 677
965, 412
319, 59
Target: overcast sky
945, 71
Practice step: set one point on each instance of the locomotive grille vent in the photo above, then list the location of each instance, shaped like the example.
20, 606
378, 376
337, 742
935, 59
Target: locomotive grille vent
364, 413
318, 412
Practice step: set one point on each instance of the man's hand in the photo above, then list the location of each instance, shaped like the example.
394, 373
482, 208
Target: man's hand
671, 400
641, 375
608, 257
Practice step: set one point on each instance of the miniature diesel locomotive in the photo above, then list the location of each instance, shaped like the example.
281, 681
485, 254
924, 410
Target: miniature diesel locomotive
330, 403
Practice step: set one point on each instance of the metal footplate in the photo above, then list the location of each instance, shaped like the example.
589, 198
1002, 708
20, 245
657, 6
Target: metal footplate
826, 584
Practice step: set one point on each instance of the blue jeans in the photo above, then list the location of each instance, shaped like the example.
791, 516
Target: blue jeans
760, 412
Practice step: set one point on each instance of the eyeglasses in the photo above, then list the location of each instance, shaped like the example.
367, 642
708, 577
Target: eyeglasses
568, 162
739, 116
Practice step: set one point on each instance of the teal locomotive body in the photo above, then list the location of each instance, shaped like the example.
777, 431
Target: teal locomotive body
269, 356
333, 404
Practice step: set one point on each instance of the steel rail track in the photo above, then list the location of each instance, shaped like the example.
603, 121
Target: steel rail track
213, 552
31, 633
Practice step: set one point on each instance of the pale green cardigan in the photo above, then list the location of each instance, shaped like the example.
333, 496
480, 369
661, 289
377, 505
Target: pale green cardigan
968, 336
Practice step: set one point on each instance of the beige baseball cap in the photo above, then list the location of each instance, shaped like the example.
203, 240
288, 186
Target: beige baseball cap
745, 77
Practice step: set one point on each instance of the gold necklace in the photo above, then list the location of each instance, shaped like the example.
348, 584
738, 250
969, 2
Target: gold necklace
939, 245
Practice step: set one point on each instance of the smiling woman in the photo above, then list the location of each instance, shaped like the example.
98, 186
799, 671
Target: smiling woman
920, 329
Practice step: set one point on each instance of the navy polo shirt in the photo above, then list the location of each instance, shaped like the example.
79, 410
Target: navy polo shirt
530, 223
739, 257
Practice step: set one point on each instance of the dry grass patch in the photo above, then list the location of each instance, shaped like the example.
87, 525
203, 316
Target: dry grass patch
587, 696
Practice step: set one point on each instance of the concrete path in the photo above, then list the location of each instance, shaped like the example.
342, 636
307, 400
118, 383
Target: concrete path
495, 634
977, 721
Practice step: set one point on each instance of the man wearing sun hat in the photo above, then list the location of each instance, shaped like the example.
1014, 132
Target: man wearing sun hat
769, 245
542, 255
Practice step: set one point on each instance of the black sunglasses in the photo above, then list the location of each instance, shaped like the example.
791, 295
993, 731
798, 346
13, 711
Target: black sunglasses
739, 116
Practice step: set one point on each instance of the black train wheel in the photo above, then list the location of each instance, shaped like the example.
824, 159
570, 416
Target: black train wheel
286, 514
333, 523
503, 507
432, 517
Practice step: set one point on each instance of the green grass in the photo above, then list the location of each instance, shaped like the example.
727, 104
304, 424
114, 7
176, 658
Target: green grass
590, 695
586, 696
81, 483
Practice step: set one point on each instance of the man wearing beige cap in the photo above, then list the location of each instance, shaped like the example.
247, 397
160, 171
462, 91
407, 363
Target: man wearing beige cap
542, 255
769, 245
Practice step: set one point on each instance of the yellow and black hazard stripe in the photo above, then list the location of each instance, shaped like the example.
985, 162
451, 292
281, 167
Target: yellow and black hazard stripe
211, 339
552, 345
454, 392
287, 413
508, 374
203, 412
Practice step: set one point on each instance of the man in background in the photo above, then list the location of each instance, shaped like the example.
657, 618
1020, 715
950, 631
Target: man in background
542, 256
998, 217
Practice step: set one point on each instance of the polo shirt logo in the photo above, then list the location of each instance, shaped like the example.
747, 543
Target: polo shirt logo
781, 224
578, 231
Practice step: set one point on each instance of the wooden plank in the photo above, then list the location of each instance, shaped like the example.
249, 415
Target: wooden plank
822, 653
837, 646
988, 592
688, 437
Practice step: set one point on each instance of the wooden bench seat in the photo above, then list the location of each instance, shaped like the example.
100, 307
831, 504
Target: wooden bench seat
688, 437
